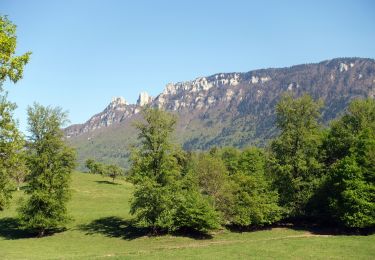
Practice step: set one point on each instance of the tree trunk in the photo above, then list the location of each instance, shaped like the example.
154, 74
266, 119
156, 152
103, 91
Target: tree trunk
41, 232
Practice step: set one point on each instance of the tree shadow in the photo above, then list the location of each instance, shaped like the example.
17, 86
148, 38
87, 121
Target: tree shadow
10, 229
187, 232
127, 229
333, 230
107, 182
115, 227
311, 227
242, 229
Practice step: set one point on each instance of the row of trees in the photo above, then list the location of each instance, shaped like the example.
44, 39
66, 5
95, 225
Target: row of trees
111, 170
43, 159
307, 172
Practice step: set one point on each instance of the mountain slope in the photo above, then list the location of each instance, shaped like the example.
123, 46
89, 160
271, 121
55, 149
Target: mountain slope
227, 108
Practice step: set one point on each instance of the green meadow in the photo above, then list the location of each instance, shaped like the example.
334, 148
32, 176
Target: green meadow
101, 228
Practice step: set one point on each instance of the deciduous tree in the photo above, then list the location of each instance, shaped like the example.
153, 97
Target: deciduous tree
295, 156
51, 163
350, 158
11, 141
161, 200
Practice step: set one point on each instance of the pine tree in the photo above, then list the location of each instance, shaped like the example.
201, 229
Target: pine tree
51, 163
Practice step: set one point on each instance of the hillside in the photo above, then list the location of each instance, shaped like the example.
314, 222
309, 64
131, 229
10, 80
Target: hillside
226, 108
100, 229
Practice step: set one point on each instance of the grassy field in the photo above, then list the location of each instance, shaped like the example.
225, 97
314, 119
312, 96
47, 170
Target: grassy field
100, 229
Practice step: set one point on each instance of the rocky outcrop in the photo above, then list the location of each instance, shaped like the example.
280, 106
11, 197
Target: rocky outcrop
144, 99
233, 108
117, 111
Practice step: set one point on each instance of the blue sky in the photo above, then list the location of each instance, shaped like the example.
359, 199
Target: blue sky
87, 51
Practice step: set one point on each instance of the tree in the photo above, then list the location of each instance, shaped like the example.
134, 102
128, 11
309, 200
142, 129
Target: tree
161, 200
11, 141
20, 171
114, 171
11, 66
350, 159
352, 196
230, 157
195, 212
213, 180
256, 203
295, 157
347, 133
95, 167
90, 165
154, 171
51, 163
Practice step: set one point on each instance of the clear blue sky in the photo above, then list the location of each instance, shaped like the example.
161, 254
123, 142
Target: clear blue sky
86, 51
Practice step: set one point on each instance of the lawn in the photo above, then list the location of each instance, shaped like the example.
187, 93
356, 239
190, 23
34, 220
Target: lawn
100, 229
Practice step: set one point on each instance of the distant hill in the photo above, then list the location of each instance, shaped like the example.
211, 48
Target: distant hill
227, 108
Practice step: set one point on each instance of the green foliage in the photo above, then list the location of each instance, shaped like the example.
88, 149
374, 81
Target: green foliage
256, 203
230, 157
50, 162
110, 170
295, 157
11, 66
11, 141
155, 158
352, 200
347, 133
155, 205
160, 200
195, 212
20, 171
114, 171
95, 167
350, 185
212, 178
237, 185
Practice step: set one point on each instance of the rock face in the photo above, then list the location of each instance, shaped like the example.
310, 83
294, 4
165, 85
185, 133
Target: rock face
144, 99
117, 111
230, 108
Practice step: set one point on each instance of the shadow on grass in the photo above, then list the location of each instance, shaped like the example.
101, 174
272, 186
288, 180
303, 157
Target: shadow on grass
10, 229
315, 229
114, 227
333, 230
107, 182
241, 229
127, 229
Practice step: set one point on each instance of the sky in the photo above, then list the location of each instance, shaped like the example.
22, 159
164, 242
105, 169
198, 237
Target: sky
84, 52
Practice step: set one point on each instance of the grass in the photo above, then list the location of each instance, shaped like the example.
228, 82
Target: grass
102, 229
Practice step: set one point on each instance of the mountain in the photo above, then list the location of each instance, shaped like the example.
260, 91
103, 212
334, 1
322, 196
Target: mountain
227, 108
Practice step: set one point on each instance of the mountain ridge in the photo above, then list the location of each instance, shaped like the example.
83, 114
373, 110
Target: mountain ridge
228, 108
